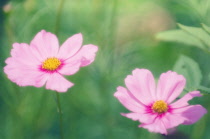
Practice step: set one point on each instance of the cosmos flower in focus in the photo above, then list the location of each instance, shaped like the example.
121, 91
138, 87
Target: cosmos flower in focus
155, 107
43, 62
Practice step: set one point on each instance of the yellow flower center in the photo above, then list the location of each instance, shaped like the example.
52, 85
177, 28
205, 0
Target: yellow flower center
160, 107
51, 64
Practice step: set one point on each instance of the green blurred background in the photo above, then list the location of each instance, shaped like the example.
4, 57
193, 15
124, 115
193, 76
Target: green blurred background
125, 33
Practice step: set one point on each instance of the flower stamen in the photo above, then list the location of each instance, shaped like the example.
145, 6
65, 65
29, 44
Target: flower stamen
51, 64
160, 107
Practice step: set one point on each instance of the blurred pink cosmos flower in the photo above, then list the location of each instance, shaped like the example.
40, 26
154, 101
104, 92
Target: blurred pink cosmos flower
154, 106
44, 62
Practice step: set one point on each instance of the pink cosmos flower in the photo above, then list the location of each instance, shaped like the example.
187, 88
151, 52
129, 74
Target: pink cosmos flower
44, 62
154, 106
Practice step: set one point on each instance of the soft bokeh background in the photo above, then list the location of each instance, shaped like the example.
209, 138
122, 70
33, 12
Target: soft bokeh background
125, 32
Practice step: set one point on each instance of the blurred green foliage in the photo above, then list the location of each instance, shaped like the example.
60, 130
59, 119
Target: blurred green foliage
125, 33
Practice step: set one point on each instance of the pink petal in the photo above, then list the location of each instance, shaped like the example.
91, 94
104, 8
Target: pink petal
191, 114
142, 85
22, 53
170, 85
157, 126
184, 100
69, 67
145, 118
24, 75
70, 47
128, 101
23, 67
171, 120
87, 54
161, 124
83, 57
45, 45
58, 83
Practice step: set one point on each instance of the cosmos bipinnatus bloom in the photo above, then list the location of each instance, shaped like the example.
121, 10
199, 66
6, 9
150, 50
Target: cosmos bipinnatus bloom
44, 62
154, 106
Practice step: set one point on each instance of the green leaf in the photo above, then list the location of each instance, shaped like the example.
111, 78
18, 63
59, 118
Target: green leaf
190, 70
199, 33
181, 37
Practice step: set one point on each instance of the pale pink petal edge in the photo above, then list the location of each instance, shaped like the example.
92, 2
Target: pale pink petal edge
58, 83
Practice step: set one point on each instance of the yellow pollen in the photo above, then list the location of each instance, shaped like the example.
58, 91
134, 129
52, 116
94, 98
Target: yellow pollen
160, 107
51, 64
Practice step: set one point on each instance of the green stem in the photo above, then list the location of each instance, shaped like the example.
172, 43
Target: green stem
204, 89
60, 114
57, 25
58, 16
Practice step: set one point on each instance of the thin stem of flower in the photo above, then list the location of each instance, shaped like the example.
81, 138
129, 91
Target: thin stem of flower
58, 16
60, 114
57, 25
204, 89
